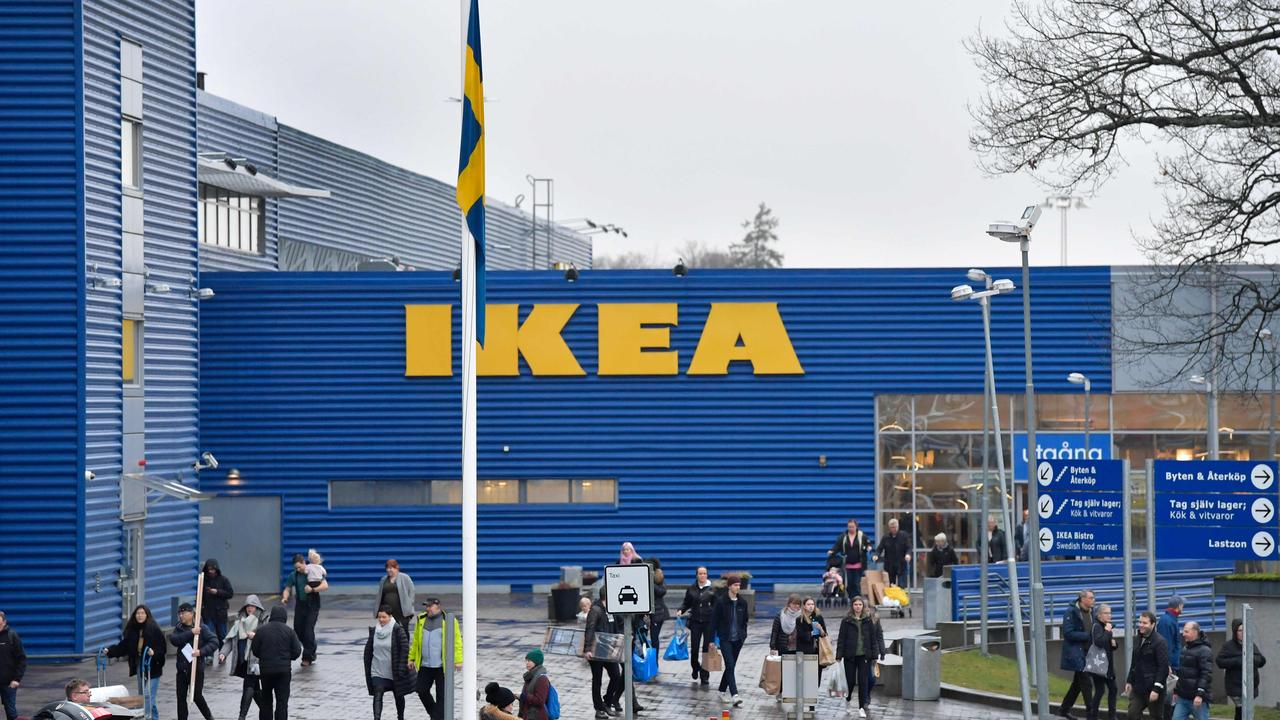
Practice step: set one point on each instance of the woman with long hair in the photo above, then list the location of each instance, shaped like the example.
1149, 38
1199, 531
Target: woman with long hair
143, 644
860, 645
628, 555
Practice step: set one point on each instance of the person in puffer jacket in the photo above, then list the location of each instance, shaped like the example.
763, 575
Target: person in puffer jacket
1231, 659
276, 646
1192, 694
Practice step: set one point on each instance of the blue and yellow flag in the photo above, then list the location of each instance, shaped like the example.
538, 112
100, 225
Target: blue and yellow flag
471, 161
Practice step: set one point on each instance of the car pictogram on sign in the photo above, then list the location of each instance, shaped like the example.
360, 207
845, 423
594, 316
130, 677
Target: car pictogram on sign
628, 594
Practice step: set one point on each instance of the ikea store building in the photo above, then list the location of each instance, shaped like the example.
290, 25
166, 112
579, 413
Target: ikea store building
178, 276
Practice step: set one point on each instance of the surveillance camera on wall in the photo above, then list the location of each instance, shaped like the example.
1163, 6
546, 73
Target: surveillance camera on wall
89, 476
206, 462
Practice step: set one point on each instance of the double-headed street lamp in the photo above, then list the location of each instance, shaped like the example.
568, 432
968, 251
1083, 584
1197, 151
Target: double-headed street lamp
1212, 393
1076, 378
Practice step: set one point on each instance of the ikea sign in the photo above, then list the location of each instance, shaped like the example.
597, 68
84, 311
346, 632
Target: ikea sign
632, 339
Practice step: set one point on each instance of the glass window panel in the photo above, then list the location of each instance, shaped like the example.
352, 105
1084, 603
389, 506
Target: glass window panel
200, 221
1180, 446
446, 492
602, 492
255, 230
246, 231
934, 490
949, 412
1259, 447
130, 153
1169, 411
400, 492
1244, 411
222, 225
350, 493
504, 492
546, 491
894, 413
233, 228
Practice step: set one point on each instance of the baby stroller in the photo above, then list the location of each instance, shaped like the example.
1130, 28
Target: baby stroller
832, 593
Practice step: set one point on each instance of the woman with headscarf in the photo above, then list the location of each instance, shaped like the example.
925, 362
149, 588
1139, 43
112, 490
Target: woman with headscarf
386, 663
628, 555
142, 639
784, 639
237, 644
498, 701
860, 645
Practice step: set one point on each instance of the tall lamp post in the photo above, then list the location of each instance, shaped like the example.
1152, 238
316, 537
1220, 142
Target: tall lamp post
1269, 342
1212, 393
984, 551
1076, 378
1020, 232
964, 292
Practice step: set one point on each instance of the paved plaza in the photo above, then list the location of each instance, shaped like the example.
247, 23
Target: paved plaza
509, 626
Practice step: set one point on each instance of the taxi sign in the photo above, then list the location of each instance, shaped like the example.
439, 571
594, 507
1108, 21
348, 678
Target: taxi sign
628, 589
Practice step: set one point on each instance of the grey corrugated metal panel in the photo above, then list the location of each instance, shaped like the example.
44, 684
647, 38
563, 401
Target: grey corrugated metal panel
41, 297
327, 347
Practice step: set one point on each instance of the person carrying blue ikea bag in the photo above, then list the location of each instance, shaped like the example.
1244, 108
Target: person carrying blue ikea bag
678, 648
644, 659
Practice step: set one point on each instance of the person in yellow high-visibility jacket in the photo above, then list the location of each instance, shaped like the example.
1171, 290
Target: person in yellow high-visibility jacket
426, 653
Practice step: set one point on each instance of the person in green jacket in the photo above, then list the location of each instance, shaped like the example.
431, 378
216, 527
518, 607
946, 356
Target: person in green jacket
426, 653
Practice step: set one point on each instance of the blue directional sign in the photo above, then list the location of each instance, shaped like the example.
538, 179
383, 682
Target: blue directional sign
1221, 543
1059, 446
1087, 540
1215, 476
1080, 508
1081, 475
1215, 510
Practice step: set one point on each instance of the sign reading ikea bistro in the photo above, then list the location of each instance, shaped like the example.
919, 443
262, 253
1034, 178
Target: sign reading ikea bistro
632, 339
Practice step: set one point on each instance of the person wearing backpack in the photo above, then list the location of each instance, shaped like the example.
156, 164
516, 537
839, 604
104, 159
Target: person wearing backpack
537, 692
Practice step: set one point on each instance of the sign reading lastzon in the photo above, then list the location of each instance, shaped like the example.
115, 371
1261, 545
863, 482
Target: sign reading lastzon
628, 589
1216, 509
1081, 507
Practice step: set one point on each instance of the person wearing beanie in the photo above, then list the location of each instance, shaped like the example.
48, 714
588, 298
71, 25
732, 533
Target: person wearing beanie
537, 687
498, 703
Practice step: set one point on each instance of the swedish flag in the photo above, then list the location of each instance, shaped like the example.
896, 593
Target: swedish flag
471, 161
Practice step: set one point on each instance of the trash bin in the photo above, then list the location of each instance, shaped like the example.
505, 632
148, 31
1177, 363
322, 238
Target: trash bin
921, 668
937, 601
890, 681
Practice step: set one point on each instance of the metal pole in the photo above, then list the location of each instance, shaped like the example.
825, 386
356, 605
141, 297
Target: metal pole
1033, 494
1271, 435
984, 551
628, 712
1087, 389
1151, 536
1246, 695
446, 697
1213, 420
1129, 614
1011, 564
1212, 375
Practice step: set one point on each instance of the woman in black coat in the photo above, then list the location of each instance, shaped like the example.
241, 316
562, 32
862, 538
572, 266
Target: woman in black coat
661, 613
144, 645
386, 663
1105, 639
860, 645
1231, 659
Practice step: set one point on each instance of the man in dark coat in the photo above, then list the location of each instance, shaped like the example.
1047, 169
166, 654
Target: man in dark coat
996, 551
1148, 670
13, 665
1077, 634
217, 598
206, 643
276, 646
1193, 692
1231, 659
895, 551
729, 627
941, 556
699, 599
1020, 533
598, 622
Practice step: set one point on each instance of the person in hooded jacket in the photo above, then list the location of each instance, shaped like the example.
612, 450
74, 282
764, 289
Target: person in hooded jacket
276, 646
661, 613
386, 663
537, 688
1231, 660
498, 701
1104, 638
1170, 628
236, 645
699, 600
185, 633
217, 599
142, 644
1148, 670
1193, 692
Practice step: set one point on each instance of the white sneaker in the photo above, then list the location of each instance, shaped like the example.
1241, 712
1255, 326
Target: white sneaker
737, 701
724, 697
862, 712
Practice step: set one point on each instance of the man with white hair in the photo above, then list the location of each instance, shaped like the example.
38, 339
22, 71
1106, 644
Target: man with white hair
895, 550
941, 555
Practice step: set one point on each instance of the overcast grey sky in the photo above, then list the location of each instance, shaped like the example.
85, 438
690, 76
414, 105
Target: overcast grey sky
674, 119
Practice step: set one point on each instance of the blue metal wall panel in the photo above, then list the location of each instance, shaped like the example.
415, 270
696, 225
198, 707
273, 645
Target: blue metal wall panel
42, 302
711, 470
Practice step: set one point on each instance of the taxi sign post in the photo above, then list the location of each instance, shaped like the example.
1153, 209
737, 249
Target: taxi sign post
628, 591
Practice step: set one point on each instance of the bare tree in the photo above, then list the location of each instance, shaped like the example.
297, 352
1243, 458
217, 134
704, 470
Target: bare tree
626, 261
756, 250
1073, 82
697, 255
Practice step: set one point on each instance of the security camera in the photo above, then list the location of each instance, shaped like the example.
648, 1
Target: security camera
89, 476
206, 462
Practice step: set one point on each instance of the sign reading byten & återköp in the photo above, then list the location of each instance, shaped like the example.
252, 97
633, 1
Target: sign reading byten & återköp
1216, 509
1081, 507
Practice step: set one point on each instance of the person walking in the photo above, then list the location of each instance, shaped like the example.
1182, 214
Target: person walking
217, 600
1170, 628
598, 622
859, 645
1020, 536
1231, 660
426, 655
784, 637
1148, 670
1077, 635
699, 601
276, 646
498, 701
1104, 641
812, 627
729, 627
395, 591
244, 664
1193, 691
13, 666
192, 671
628, 555
661, 613
305, 584
941, 556
143, 645
851, 548
995, 542
894, 550
386, 663
537, 688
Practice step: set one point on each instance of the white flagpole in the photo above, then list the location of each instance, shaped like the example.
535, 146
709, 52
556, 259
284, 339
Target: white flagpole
469, 662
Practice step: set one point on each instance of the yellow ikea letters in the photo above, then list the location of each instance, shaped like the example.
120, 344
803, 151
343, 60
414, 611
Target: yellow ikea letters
632, 339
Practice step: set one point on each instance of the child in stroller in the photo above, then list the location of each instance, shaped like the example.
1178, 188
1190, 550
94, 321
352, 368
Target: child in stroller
832, 583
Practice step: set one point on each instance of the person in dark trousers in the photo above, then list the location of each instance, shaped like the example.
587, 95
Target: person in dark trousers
426, 655
386, 663
941, 556
894, 550
395, 590
276, 646
206, 644
1231, 660
537, 688
13, 665
995, 542
236, 645
785, 636
598, 622
699, 600
729, 627
1077, 635
1020, 536
142, 644
852, 548
1193, 691
1148, 670
1170, 628
661, 613
217, 599
859, 645
306, 608
1105, 639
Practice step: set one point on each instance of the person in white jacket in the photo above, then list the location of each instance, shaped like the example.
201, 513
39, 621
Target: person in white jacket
237, 645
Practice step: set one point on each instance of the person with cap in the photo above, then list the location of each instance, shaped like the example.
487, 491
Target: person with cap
142, 639
276, 646
386, 663
217, 599
13, 665
237, 644
537, 688
498, 701
426, 655
205, 641
395, 591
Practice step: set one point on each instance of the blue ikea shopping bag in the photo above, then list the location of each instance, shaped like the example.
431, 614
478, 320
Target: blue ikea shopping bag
553, 702
644, 663
678, 648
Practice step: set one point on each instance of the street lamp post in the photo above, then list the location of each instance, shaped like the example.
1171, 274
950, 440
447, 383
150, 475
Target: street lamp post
1269, 340
1064, 203
964, 292
984, 550
1020, 232
1076, 378
1212, 393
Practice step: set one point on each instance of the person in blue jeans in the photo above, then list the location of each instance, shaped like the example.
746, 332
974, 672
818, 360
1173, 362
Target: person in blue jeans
1193, 693
13, 665
142, 643
729, 627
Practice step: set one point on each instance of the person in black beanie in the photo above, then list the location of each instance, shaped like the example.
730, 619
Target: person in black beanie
498, 703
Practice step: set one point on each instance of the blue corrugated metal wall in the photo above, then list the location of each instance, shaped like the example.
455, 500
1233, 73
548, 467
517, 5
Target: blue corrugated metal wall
42, 302
716, 470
